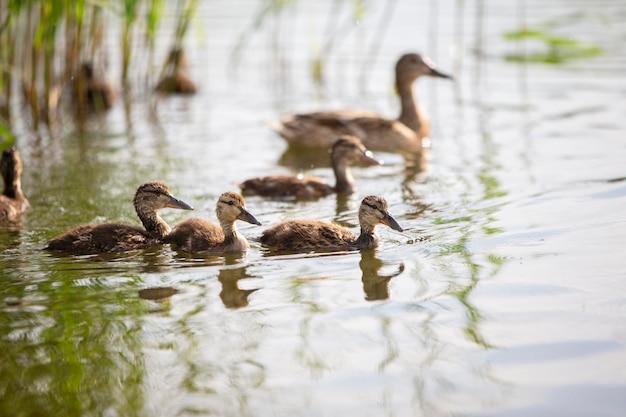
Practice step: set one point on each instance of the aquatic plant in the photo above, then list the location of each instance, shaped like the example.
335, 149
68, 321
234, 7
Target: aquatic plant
557, 49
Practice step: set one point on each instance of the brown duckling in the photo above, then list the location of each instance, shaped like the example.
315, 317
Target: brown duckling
116, 237
305, 235
202, 236
347, 150
93, 94
378, 133
13, 203
175, 79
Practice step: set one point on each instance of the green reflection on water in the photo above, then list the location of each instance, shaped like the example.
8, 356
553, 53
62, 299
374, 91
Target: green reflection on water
70, 346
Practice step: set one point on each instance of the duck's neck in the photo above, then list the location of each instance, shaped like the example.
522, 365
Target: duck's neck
153, 223
344, 180
13, 187
232, 239
410, 114
368, 239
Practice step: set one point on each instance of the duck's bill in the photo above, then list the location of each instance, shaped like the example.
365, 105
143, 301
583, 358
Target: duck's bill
367, 159
247, 217
178, 204
436, 73
391, 222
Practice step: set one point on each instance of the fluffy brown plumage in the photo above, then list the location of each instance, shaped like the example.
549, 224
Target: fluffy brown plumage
117, 237
378, 133
202, 236
175, 79
13, 203
346, 151
306, 235
93, 94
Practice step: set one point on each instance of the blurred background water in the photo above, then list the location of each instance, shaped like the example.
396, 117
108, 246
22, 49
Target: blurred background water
504, 296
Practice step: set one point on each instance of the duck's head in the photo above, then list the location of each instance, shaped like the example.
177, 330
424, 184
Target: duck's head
156, 195
411, 66
231, 207
10, 164
86, 71
374, 210
351, 149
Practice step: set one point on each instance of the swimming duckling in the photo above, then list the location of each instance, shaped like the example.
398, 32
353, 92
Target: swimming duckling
116, 237
378, 133
347, 150
305, 235
13, 203
202, 236
175, 79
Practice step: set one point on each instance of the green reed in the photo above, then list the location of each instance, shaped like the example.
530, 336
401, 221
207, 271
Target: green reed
43, 43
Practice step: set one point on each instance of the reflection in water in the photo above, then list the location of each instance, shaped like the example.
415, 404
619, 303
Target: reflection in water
375, 284
232, 296
70, 347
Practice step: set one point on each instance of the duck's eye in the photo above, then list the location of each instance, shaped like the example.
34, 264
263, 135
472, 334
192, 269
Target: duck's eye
231, 203
371, 206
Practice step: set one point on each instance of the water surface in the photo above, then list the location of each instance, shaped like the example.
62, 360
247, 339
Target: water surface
505, 295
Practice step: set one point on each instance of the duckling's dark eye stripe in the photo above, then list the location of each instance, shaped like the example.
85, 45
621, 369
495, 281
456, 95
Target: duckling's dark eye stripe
371, 206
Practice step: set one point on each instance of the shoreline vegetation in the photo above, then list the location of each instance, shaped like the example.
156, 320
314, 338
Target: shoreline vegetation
45, 46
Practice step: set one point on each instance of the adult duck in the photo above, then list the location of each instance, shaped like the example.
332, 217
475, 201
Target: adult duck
306, 235
346, 151
13, 202
117, 237
405, 134
202, 236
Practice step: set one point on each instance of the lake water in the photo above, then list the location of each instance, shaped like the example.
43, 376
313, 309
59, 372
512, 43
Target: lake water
504, 296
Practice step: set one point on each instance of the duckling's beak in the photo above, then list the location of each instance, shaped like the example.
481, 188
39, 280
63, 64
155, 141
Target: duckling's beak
434, 72
391, 222
245, 216
178, 204
367, 159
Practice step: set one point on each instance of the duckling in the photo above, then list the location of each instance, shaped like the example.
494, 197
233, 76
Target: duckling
202, 236
116, 237
346, 151
305, 235
13, 203
93, 94
176, 80
378, 133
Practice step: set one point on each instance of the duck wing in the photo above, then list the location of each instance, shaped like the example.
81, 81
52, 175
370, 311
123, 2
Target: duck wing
303, 235
285, 186
195, 235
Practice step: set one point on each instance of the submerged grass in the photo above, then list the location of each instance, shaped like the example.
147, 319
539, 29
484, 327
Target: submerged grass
56, 37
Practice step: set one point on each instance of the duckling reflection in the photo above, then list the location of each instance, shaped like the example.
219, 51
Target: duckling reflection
116, 237
93, 94
375, 285
404, 134
305, 235
175, 79
13, 202
346, 151
202, 236
232, 296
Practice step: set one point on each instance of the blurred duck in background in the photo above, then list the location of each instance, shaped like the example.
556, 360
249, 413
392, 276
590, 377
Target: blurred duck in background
175, 78
94, 94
